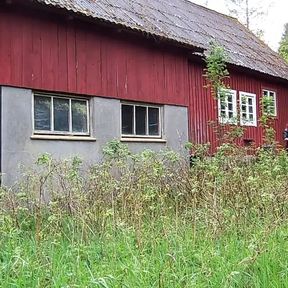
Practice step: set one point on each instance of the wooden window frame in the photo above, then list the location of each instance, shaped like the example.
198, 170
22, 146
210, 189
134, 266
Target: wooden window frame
147, 136
226, 119
275, 114
52, 131
253, 96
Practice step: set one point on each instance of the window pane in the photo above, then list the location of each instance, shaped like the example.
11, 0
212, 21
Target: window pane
42, 115
153, 121
250, 101
127, 119
269, 103
272, 102
61, 114
79, 116
140, 120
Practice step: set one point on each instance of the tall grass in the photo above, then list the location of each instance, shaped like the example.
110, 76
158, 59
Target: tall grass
148, 220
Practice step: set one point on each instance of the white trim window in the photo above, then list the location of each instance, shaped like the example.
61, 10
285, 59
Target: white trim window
227, 106
140, 120
269, 103
248, 109
54, 114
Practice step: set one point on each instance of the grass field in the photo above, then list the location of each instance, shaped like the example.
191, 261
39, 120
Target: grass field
150, 223
166, 257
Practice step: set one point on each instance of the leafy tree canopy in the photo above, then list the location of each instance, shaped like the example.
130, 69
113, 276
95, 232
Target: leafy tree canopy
283, 48
250, 13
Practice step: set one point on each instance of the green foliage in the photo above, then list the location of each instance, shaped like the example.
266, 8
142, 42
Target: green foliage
216, 73
216, 69
115, 150
44, 159
283, 48
266, 120
148, 220
267, 107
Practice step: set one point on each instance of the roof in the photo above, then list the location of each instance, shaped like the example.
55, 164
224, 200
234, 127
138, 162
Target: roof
186, 23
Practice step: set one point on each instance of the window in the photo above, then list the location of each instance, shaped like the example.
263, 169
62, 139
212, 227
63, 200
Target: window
269, 103
60, 115
227, 105
141, 120
248, 115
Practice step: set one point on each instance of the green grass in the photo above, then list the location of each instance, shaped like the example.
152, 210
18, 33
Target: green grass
148, 220
163, 257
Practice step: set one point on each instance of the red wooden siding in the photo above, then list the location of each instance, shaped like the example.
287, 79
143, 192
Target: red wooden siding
54, 54
203, 108
65, 56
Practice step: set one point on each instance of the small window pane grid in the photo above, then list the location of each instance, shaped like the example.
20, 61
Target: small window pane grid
60, 115
269, 103
248, 115
227, 103
140, 121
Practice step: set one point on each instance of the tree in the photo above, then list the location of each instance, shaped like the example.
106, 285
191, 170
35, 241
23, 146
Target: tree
241, 9
248, 11
283, 48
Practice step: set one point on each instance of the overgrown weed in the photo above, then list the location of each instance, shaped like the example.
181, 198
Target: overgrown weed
131, 188
150, 205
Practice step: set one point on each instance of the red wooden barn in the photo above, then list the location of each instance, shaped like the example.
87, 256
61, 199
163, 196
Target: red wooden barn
78, 73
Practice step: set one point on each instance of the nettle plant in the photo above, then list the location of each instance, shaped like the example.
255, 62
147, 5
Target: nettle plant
216, 69
216, 73
266, 120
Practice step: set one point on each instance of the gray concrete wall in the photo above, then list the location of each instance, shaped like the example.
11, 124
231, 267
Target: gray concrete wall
18, 149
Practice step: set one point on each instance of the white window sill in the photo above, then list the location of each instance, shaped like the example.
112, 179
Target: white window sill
143, 140
228, 122
63, 138
248, 124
